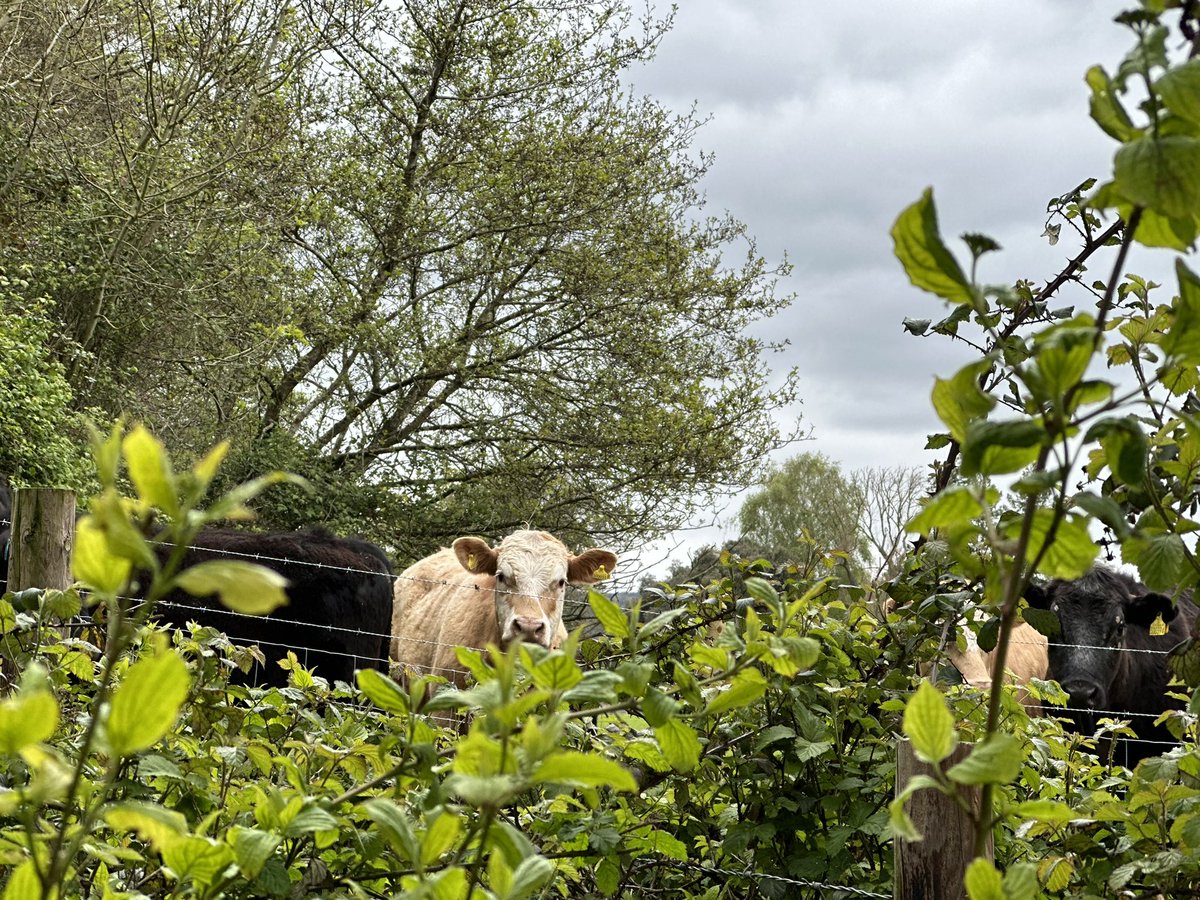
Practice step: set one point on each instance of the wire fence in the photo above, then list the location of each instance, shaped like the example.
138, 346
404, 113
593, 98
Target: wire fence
472, 583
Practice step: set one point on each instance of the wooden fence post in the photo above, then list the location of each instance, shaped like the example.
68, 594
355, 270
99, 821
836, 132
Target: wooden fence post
933, 868
42, 531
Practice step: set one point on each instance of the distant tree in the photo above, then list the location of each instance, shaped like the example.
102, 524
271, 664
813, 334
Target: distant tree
891, 496
805, 510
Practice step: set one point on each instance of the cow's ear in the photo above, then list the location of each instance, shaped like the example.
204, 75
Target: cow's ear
591, 566
1037, 596
1145, 608
476, 556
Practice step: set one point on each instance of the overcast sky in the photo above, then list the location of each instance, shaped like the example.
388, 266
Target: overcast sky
826, 120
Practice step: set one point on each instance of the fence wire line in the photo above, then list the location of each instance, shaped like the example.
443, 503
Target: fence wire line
583, 604
466, 585
751, 875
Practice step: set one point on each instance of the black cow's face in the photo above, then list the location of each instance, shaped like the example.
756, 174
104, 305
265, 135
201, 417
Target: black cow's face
1096, 613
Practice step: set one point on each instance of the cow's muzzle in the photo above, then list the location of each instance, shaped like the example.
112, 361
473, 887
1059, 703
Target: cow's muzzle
531, 629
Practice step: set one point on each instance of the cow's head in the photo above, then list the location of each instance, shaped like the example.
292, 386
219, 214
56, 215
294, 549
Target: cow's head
1098, 614
532, 570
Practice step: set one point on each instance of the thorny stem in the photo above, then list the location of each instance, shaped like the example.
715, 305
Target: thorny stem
1016, 580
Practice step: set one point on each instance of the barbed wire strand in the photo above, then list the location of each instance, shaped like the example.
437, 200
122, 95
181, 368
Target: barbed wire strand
751, 875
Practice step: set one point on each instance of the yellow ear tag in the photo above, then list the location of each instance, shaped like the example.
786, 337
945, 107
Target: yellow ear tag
471, 561
599, 573
1158, 627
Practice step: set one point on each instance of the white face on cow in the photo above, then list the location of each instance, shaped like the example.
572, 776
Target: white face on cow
531, 571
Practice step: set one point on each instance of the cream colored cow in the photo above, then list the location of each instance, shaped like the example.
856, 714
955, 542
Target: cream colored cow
1028, 657
472, 595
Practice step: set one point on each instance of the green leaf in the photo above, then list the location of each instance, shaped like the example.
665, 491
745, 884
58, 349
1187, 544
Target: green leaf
608, 877
658, 707
997, 760
1162, 174
773, 734
1125, 448
926, 260
1180, 91
1161, 560
901, 825
150, 470
929, 724
205, 469
311, 818
146, 703
93, 564
959, 401
1062, 358
1055, 873
609, 614
395, 825
655, 840
242, 586
989, 634
763, 592
450, 884
635, 677
1073, 550
747, 686
27, 718
24, 884
983, 882
1106, 109
252, 848
1021, 882
160, 826
679, 745
1182, 337
661, 621
382, 691
531, 875
197, 858
443, 831
1052, 812
583, 770
953, 506
557, 672
1105, 509
998, 448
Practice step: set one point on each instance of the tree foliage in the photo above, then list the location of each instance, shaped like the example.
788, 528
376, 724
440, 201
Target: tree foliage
805, 509
38, 433
434, 257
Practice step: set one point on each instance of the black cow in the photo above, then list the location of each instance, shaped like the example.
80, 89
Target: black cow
1098, 658
339, 611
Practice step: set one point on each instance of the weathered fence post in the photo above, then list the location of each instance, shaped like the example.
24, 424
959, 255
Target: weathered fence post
42, 531
933, 868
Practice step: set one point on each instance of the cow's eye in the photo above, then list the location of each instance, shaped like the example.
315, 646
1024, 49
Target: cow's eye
562, 583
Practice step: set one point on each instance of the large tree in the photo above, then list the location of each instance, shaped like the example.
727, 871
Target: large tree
432, 255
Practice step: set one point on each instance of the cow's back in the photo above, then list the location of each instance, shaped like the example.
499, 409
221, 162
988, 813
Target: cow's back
1027, 659
438, 606
339, 601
